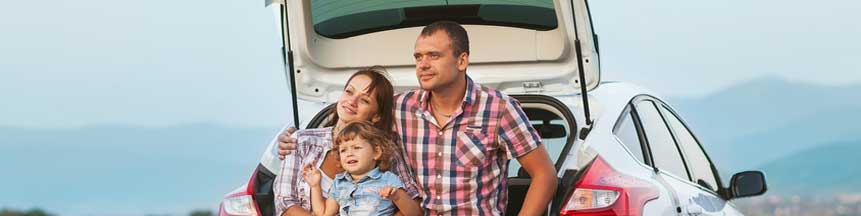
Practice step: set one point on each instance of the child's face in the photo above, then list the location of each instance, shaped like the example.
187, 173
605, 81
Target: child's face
358, 157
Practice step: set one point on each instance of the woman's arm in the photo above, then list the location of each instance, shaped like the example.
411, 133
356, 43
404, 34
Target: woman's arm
296, 211
406, 204
286, 185
416, 200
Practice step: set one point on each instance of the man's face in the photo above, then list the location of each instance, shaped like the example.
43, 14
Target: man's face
436, 65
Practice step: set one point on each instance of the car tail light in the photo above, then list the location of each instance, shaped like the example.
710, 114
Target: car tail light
606, 192
239, 205
240, 202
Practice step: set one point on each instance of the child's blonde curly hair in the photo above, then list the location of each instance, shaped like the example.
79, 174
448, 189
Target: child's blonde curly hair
380, 140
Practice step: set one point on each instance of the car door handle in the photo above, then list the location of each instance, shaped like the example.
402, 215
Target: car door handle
693, 210
696, 210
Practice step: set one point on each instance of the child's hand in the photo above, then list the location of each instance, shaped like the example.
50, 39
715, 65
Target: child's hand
388, 192
311, 175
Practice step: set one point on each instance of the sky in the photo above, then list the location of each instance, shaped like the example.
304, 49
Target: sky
161, 63
67, 64
691, 48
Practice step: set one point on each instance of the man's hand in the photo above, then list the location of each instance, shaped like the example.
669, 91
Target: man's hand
286, 144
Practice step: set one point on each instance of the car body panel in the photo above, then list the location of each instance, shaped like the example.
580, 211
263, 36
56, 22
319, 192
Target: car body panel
613, 98
322, 65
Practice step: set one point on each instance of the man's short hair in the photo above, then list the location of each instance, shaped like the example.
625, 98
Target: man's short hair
457, 34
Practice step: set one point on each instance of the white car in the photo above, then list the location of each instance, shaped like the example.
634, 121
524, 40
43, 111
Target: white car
621, 150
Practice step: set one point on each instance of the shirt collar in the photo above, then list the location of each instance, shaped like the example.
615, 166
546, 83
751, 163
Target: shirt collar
468, 96
373, 174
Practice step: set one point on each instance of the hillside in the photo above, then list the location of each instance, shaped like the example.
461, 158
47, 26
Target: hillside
749, 124
830, 168
127, 170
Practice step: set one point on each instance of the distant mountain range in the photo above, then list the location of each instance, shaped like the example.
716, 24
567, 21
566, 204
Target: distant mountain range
831, 168
764, 123
119, 170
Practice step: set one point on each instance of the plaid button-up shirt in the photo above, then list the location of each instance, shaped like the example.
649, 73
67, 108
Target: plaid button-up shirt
463, 164
311, 146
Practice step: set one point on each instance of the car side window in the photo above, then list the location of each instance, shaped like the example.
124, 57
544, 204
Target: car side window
627, 133
665, 154
701, 169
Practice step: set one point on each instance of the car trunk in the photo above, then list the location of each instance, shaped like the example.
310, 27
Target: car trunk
550, 117
557, 127
527, 47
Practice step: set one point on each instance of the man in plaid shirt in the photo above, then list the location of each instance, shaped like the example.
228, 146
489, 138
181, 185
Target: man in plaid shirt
459, 136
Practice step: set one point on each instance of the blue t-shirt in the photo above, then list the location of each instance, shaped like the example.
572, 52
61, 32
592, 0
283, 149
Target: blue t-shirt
363, 197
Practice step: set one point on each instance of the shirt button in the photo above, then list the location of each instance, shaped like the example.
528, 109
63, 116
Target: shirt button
440, 133
438, 197
439, 154
438, 176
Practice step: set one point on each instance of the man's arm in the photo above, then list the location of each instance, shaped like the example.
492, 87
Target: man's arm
521, 141
539, 166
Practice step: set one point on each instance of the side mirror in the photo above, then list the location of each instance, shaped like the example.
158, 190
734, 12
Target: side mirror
550, 130
747, 184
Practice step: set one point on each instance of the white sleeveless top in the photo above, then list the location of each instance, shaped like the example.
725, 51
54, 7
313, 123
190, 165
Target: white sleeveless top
325, 182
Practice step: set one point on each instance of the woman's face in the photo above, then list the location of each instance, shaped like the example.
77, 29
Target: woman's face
356, 103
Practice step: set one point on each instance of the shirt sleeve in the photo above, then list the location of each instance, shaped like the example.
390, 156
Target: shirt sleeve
287, 183
406, 176
516, 134
393, 180
333, 191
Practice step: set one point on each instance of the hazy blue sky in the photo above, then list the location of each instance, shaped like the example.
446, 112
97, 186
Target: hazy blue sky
157, 62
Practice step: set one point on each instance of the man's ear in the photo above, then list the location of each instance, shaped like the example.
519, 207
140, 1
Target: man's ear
462, 61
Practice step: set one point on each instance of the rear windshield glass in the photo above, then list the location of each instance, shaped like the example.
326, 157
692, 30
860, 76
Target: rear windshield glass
342, 19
